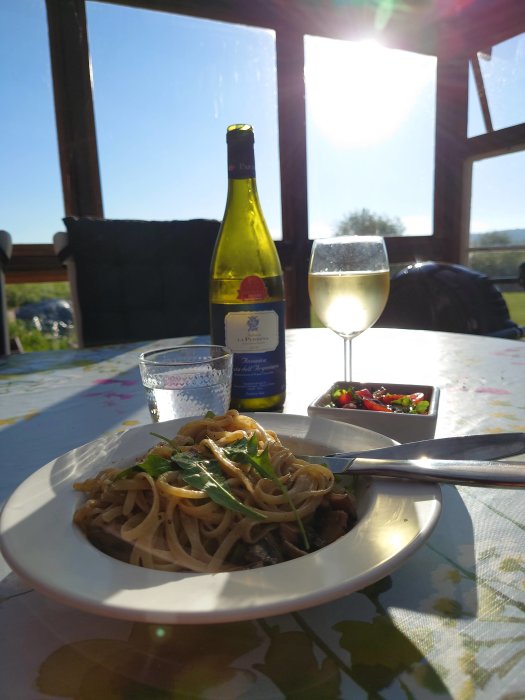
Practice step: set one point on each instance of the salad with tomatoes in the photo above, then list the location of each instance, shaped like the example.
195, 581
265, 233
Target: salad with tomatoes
381, 399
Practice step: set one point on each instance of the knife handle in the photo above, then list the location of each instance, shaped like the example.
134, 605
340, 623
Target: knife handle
467, 472
483, 446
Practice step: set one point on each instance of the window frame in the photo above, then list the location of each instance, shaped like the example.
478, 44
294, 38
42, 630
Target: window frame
451, 38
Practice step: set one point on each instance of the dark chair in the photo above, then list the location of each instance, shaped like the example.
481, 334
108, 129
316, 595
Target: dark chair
5, 254
137, 280
445, 297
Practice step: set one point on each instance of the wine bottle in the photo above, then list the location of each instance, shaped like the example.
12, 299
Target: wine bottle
247, 304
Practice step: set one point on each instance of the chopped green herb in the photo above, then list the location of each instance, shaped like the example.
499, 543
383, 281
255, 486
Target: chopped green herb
199, 473
206, 475
164, 439
246, 452
152, 464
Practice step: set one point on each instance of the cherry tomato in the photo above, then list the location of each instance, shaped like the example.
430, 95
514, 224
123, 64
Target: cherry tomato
364, 393
375, 405
342, 397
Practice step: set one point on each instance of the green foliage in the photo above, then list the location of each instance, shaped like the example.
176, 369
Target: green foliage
495, 239
32, 339
366, 223
497, 263
20, 294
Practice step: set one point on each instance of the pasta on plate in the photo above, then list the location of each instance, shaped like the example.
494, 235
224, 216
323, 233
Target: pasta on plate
223, 494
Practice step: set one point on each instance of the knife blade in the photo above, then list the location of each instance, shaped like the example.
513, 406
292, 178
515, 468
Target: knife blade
489, 473
492, 446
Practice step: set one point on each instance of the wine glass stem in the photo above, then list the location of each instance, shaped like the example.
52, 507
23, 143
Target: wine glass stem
348, 359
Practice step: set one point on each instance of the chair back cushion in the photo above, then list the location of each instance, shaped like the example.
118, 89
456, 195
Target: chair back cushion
140, 280
447, 297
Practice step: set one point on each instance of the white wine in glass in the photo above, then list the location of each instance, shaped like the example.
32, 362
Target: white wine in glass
348, 283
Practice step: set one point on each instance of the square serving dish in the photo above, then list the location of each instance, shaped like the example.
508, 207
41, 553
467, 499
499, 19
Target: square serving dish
403, 427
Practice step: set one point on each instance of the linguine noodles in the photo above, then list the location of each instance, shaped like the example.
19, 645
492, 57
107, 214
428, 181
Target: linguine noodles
224, 494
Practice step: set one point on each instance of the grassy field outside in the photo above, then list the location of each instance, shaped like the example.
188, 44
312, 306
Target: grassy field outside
30, 338
516, 303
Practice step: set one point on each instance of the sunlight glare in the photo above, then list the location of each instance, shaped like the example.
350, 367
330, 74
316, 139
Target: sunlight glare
360, 93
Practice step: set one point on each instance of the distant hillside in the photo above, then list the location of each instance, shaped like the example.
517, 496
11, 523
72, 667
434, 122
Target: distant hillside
516, 236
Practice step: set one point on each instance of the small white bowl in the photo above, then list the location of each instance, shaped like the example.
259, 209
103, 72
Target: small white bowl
403, 427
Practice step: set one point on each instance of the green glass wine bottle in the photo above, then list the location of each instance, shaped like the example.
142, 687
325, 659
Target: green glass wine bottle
247, 303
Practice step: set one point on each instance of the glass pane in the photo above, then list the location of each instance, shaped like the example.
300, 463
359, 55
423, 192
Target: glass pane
497, 227
498, 263
31, 203
370, 115
516, 304
497, 216
503, 74
165, 89
497, 199
507, 270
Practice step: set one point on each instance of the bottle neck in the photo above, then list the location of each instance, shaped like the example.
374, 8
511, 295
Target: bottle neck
241, 161
245, 187
242, 199
241, 174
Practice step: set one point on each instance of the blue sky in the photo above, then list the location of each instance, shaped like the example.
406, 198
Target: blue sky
166, 87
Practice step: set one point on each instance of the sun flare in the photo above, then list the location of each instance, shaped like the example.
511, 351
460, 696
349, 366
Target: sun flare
359, 93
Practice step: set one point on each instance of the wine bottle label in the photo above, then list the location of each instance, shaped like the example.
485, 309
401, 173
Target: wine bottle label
255, 334
241, 171
241, 160
251, 331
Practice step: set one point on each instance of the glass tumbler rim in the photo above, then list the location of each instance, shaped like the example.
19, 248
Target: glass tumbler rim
224, 353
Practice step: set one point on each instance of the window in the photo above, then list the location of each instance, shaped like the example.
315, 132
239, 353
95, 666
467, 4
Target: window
500, 76
165, 89
498, 215
370, 134
496, 243
31, 203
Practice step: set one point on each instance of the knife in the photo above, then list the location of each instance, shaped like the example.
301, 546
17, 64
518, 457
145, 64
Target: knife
446, 471
492, 446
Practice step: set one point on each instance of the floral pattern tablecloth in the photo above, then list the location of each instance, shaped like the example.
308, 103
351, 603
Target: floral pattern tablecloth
449, 623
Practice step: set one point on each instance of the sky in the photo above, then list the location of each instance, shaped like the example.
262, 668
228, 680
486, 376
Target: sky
166, 87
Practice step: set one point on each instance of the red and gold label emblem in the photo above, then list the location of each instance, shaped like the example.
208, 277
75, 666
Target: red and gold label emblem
252, 288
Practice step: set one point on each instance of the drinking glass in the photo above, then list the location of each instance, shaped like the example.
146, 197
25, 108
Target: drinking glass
348, 283
187, 380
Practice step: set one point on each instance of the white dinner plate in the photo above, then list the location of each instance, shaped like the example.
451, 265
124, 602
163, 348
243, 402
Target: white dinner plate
41, 544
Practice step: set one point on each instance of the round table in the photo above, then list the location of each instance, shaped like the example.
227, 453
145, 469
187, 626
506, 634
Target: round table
447, 624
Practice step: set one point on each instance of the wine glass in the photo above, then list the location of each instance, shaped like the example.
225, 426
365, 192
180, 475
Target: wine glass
348, 283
